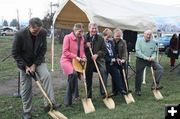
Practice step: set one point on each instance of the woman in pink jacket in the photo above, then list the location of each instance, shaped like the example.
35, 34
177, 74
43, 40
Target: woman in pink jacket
73, 47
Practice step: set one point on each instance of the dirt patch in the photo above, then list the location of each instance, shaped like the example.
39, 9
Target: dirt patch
10, 86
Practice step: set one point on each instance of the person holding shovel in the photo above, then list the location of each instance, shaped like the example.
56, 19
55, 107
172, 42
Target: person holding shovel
28, 50
73, 47
96, 42
146, 50
112, 64
121, 54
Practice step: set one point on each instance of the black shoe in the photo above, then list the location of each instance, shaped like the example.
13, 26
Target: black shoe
138, 93
158, 87
76, 99
27, 116
113, 94
68, 105
55, 107
123, 92
103, 96
47, 108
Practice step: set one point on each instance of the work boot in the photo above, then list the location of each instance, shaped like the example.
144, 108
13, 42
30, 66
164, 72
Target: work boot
27, 116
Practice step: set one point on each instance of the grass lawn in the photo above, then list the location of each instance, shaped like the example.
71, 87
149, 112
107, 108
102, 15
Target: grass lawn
145, 107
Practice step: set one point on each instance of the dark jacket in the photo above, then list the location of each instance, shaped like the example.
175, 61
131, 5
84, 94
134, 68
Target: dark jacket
98, 47
121, 49
23, 51
108, 57
174, 44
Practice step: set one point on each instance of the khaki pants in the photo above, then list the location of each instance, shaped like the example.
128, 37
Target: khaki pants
26, 86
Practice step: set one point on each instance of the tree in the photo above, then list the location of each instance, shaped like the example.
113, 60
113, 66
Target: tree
14, 23
5, 23
47, 21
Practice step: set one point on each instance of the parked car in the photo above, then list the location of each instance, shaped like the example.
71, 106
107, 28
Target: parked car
8, 31
164, 42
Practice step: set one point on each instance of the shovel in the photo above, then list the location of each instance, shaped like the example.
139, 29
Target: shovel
107, 100
87, 103
129, 98
144, 76
157, 93
53, 113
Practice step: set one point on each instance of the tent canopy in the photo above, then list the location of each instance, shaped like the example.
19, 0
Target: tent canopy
124, 14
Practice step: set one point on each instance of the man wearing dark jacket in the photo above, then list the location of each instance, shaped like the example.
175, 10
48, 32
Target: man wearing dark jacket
96, 42
29, 48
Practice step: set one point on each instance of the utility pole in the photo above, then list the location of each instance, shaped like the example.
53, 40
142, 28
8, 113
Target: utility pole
18, 25
2, 20
30, 13
52, 5
52, 31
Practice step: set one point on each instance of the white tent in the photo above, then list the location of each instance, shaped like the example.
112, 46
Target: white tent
124, 14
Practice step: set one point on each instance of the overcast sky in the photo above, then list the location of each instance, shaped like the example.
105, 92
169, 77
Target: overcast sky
8, 8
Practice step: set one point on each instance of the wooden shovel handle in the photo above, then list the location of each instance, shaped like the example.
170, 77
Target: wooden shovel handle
45, 94
154, 80
100, 77
125, 80
83, 64
33, 75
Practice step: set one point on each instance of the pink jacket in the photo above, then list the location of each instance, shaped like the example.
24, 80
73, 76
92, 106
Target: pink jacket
69, 51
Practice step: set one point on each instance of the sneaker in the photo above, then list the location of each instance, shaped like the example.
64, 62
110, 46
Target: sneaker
138, 93
27, 116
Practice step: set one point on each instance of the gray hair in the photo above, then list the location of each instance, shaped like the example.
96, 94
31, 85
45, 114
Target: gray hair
92, 24
148, 31
117, 30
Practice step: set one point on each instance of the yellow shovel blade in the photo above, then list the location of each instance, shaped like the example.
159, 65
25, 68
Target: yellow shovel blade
77, 66
59, 115
157, 94
160, 95
53, 115
88, 105
56, 115
131, 97
127, 99
109, 103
